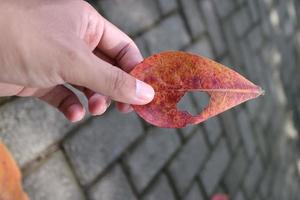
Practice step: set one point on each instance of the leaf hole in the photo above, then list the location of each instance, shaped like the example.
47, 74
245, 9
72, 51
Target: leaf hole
193, 102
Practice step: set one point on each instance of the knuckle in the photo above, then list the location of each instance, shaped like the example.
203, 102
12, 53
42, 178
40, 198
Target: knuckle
118, 81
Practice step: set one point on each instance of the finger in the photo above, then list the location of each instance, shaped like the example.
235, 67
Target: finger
97, 103
102, 77
120, 47
65, 101
124, 108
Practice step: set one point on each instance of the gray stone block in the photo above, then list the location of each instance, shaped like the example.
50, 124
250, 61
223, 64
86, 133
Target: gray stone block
97, 144
213, 129
53, 180
28, 127
193, 16
246, 133
236, 171
239, 196
130, 15
150, 155
213, 26
255, 38
231, 129
214, 168
112, 186
167, 6
194, 193
241, 21
187, 162
202, 47
224, 7
160, 190
253, 176
170, 34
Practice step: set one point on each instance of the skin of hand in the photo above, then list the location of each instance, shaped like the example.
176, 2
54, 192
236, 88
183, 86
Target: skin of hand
45, 44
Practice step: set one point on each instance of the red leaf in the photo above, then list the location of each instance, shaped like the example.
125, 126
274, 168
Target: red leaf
220, 197
10, 177
173, 73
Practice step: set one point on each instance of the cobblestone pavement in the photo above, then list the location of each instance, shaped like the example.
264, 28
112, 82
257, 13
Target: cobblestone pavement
249, 152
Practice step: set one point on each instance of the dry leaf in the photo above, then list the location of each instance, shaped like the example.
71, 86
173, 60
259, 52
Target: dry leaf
174, 73
10, 177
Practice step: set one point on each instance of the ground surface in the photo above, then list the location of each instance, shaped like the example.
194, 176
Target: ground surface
249, 152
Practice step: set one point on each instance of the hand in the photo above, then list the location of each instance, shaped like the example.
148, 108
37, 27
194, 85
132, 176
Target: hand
47, 43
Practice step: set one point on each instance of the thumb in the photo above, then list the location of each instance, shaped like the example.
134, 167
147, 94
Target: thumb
91, 72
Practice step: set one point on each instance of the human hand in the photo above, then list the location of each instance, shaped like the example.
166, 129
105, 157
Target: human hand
47, 43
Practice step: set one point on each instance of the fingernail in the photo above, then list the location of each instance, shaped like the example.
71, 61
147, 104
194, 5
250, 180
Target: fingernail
144, 92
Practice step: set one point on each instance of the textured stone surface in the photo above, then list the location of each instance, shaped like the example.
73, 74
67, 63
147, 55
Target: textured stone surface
149, 156
167, 5
189, 160
192, 14
214, 26
160, 190
113, 185
100, 142
213, 129
247, 134
28, 127
236, 171
53, 180
215, 167
120, 13
170, 34
224, 7
202, 47
253, 176
194, 193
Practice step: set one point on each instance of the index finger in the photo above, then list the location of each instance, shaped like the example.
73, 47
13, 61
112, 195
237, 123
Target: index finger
120, 47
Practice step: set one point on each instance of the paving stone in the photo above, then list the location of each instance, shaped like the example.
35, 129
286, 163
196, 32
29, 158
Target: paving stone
160, 190
188, 160
97, 144
241, 21
236, 171
265, 184
231, 129
224, 7
253, 176
202, 47
113, 186
53, 180
25, 122
193, 16
213, 129
170, 34
255, 38
213, 26
246, 133
239, 196
141, 43
150, 155
194, 193
119, 13
167, 5
254, 12
214, 168
233, 45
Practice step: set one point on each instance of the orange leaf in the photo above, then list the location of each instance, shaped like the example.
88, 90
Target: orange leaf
10, 177
174, 73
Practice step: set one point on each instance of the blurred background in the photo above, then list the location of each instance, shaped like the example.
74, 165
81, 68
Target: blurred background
250, 152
